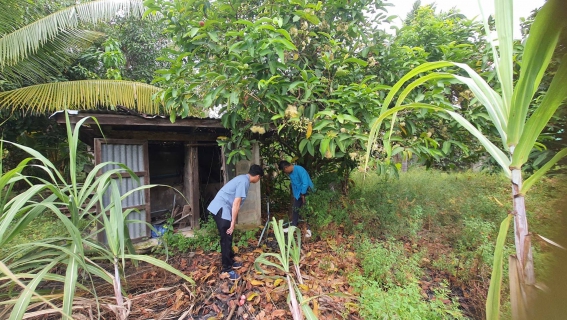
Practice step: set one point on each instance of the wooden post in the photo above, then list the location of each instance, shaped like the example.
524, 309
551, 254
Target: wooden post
191, 183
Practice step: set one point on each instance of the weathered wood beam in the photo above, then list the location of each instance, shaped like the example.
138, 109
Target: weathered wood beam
133, 120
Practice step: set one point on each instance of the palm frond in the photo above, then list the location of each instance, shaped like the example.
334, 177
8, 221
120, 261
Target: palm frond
27, 40
12, 13
82, 95
51, 58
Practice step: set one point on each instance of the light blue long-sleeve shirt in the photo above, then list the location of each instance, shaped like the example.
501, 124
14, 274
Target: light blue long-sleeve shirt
300, 181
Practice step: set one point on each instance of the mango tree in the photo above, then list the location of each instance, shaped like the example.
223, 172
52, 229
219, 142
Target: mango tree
289, 71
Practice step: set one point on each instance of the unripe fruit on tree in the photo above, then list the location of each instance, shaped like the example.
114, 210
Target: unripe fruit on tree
201, 23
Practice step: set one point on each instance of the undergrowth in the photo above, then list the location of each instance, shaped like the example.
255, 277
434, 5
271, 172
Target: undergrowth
449, 220
206, 238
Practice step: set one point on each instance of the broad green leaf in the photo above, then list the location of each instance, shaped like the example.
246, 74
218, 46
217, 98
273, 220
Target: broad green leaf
307, 16
359, 62
303, 144
284, 33
324, 146
161, 264
244, 22
350, 118
555, 96
321, 124
544, 34
496, 153
493, 299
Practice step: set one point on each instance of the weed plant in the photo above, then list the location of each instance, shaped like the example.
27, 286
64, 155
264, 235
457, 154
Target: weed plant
388, 286
206, 239
386, 263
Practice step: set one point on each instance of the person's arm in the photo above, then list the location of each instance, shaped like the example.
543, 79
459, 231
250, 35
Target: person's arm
304, 184
235, 208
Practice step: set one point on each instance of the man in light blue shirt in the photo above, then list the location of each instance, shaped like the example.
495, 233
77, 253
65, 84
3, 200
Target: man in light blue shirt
224, 208
300, 185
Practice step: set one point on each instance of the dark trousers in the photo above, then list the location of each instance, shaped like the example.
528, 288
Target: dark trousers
227, 254
297, 204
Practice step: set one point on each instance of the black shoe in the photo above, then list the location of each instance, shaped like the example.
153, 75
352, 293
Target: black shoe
232, 275
237, 265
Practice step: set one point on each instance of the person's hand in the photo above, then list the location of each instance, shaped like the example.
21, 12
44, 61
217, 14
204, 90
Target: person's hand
231, 229
303, 198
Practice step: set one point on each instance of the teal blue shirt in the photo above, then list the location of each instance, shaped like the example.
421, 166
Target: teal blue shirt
300, 181
235, 188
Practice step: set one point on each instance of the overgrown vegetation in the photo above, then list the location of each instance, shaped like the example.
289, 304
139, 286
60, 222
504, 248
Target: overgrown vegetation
206, 238
428, 225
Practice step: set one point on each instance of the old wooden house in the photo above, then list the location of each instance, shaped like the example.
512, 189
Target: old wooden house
183, 158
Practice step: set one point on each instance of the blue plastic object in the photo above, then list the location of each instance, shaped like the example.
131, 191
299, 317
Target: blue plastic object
161, 229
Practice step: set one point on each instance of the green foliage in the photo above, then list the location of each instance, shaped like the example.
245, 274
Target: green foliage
388, 285
206, 238
387, 264
242, 237
300, 67
403, 302
75, 251
518, 127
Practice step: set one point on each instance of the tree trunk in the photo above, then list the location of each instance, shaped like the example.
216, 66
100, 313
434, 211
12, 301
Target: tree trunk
522, 239
404, 164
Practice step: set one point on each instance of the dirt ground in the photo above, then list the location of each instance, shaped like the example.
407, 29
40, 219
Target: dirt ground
326, 263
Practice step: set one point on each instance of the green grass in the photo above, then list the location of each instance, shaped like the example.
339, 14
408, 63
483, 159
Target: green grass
45, 226
461, 211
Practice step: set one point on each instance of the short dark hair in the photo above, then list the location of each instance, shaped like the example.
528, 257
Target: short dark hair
283, 164
256, 170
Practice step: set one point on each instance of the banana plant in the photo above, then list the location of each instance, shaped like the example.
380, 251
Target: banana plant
77, 252
508, 112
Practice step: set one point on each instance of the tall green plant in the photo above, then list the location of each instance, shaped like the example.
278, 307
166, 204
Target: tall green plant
508, 112
34, 50
33, 263
290, 251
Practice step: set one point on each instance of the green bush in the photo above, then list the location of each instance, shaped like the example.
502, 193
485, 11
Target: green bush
205, 238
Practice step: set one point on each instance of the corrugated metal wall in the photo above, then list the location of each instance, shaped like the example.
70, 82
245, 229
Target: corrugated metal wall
132, 155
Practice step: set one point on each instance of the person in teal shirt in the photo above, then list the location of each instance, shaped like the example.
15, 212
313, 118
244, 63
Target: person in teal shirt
224, 208
301, 184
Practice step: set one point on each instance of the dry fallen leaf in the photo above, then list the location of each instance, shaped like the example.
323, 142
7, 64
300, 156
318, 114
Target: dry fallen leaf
252, 296
316, 307
278, 313
257, 282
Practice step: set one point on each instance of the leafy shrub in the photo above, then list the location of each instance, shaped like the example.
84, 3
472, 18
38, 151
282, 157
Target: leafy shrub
205, 238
